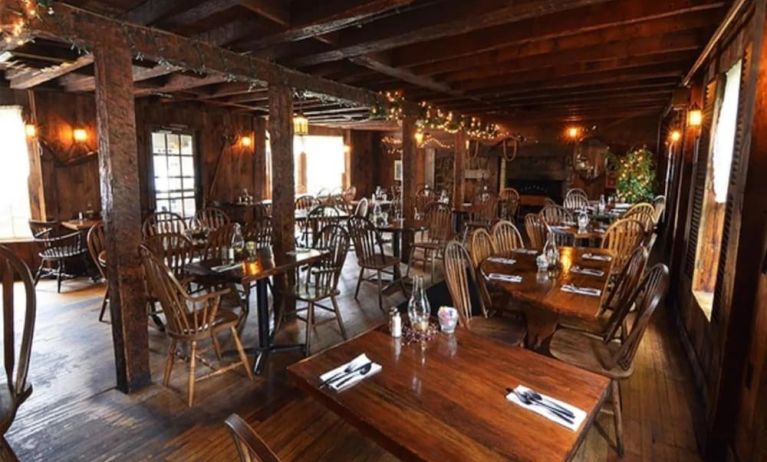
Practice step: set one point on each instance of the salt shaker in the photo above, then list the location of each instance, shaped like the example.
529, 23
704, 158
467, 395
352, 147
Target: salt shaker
395, 323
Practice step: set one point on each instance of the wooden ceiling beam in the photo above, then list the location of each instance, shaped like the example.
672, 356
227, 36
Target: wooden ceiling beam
594, 18
33, 78
152, 11
157, 45
83, 83
202, 11
180, 82
275, 10
438, 21
512, 73
315, 19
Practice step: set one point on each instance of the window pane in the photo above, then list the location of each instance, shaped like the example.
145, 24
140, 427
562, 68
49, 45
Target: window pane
160, 166
189, 208
14, 190
158, 143
724, 137
174, 146
187, 166
186, 144
174, 166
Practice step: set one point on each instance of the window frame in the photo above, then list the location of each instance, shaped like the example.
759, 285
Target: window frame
196, 159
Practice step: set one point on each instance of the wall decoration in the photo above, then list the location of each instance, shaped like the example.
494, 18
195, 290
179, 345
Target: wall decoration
636, 175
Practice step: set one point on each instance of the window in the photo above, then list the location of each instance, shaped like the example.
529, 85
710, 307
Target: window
320, 163
14, 176
175, 183
720, 153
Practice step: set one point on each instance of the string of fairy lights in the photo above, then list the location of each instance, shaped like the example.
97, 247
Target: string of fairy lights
433, 118
17, 31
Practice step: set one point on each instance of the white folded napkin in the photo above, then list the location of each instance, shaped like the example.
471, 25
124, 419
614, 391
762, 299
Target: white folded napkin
587, 271
596, 257
559, 227
580, 415
504, 277
222, 268
526, 251
581, 290
502, 260
350, 370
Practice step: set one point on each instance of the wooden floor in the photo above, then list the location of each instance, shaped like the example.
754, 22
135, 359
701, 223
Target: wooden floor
75, 413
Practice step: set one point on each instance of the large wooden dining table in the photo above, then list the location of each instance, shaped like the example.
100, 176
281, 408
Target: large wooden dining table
444, 400
543, 300
256, 271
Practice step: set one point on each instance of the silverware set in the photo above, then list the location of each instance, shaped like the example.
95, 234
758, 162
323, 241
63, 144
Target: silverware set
342, 378
581, 290
531, 398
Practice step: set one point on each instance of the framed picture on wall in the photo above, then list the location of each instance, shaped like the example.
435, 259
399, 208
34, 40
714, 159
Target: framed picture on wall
397, 170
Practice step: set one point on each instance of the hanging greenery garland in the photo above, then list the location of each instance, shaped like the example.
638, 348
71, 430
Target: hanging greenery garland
636, 175
17, 31
434, 118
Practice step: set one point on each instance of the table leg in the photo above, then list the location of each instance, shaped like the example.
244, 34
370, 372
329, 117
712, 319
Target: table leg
541, 325
264, 336
396, 239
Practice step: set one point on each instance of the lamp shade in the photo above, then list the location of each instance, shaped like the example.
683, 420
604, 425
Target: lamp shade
300, 125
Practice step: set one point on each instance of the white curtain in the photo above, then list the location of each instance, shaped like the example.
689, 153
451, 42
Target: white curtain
724, 141
14, 175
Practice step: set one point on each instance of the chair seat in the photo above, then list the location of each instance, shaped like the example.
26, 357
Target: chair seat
587, 352
429, 245
313, 293
596, 326
509, 330
224, 318
68, 251
379, 262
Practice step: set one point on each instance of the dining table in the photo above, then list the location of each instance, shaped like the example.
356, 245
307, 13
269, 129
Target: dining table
544, 295
592, 235
396, 227
445, 399
255, 271
80, 224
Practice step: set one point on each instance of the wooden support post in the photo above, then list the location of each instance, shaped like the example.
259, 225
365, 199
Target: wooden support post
283, 177
409, 172
118, 166
459, 169
259, 153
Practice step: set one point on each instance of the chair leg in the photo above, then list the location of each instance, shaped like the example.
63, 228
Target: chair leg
59, 270
380, 290
169, 362
39, 272
216, 345
104, 305
338, 316
398, 275
618, 415
359, 282
6, 452
410, 260
192, 365
309, 327
241, 352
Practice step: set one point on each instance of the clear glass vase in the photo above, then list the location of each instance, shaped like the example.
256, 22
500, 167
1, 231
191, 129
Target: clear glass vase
418, 309
551, 250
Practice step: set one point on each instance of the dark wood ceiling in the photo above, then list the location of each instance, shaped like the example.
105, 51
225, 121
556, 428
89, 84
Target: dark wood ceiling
530, 60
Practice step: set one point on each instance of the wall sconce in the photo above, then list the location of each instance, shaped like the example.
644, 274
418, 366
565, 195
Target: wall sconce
675, 136
300, 125
80, 135
418, 137
246, 141
347, 149
573, 133
695, 117
30, 130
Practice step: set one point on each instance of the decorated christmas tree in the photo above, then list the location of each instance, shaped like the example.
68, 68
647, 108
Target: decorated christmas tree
636, 176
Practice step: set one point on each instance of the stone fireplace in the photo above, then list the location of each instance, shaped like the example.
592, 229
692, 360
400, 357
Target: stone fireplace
539, 171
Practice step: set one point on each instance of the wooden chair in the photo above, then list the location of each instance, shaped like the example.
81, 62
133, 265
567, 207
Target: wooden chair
423, 197
509, 203
321, 280
506, 237
368, 247
536, 230
210, 218
459, 275
616, 302
305, 202
659, 204
319, 217
644, 213
561, 238
57, 247
17, 349
97, 249
175, 250
439, 232
250, 446
191, 320
576, 199
218, 239
556, 215
260, 232
482, 246
622, 237
163, 223
362, 208
483, 213
609, 358
549, 201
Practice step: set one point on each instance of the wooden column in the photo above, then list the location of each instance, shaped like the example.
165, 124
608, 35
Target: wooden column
459, 169
118, 166
283, 181
409, 180
259, 154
